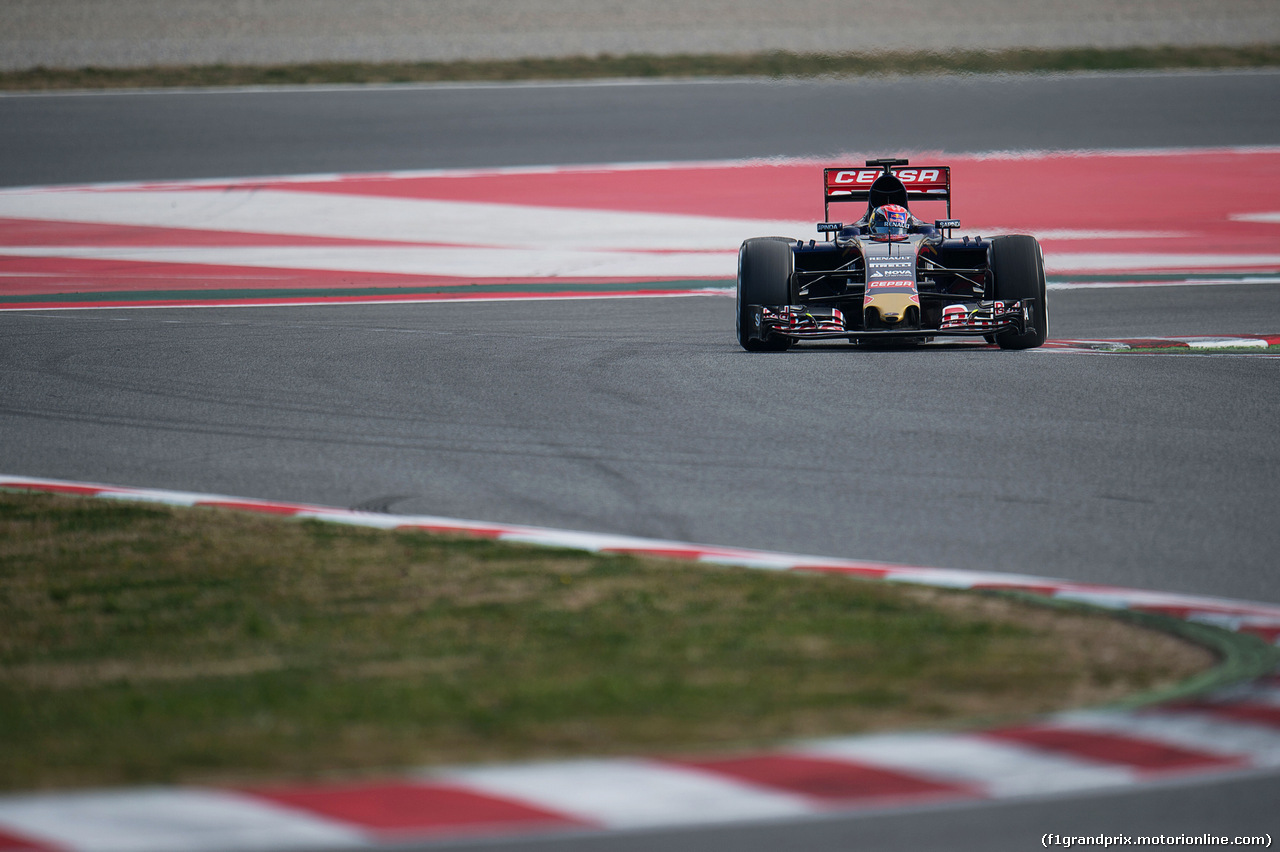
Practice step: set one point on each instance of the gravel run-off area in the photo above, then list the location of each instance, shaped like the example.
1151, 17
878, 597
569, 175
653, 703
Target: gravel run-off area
137, 33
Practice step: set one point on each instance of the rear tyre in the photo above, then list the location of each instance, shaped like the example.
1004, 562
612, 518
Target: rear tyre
765, 265
1017, 270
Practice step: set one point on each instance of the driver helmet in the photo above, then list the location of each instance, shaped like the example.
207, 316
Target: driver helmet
891, 220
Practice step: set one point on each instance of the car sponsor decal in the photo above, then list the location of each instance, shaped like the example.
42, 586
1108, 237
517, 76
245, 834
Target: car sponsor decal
916, 179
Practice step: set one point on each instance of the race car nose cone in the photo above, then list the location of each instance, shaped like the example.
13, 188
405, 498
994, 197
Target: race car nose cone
890, 307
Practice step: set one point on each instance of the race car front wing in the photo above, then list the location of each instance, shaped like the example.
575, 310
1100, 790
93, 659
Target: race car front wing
963, 319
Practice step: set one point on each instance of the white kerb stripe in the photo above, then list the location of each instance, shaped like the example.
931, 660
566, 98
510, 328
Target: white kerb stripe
169, 819
1225, 343
472, 262
630, 793
415, 220
1270, 218
1060, 261
1204, 732
1265, 695
998, 769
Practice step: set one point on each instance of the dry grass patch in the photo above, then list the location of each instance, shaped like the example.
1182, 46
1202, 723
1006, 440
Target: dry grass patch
141, 643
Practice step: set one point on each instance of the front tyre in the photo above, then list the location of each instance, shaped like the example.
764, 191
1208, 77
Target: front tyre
765, 265
1017, 269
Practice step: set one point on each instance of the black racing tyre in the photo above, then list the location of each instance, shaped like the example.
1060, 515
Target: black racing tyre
1017, 270
765, 265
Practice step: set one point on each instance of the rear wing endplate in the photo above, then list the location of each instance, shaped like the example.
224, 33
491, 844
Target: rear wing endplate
853, 183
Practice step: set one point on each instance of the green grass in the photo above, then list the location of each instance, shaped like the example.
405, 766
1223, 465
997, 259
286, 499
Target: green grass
146, 644
770, 64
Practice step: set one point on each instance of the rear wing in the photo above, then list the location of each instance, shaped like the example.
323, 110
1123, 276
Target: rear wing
853, 183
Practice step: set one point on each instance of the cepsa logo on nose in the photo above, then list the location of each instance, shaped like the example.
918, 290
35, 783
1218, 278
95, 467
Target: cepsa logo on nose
856, 176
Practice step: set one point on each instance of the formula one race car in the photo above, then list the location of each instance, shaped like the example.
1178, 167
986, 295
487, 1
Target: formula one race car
889, 275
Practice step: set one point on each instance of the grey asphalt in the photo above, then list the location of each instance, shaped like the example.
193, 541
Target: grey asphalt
643, 416
125, 136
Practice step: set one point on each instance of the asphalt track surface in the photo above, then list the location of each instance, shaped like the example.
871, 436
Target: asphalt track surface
642, 416
71, 138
